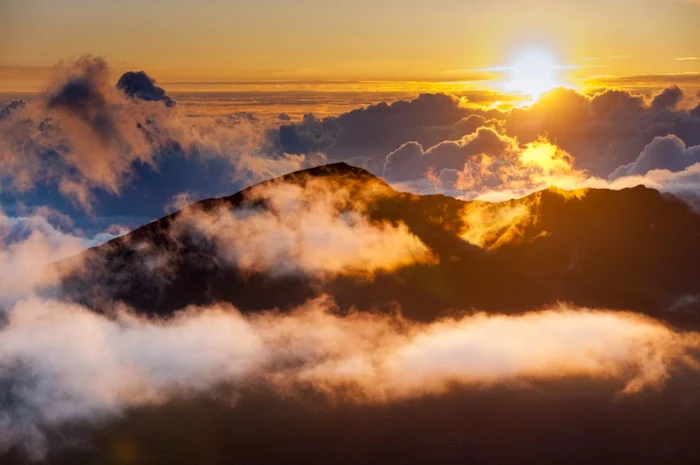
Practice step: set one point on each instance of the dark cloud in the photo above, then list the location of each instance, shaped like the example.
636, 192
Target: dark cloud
11, 107
373, 131
601, 131
668, 99
138, 84
311, 135
618, 103
695, 112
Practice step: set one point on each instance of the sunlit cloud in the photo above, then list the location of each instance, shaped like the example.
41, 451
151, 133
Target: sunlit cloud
492, 225
74, 365
320, 228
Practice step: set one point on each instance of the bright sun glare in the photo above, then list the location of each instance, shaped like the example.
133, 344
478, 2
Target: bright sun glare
533, 74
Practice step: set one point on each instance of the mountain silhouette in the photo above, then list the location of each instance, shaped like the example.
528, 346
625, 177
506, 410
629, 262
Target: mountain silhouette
630, 249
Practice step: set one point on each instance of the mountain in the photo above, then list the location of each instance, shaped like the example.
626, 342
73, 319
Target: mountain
627, 249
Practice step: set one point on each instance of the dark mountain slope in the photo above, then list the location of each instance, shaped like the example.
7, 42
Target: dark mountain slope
629, 249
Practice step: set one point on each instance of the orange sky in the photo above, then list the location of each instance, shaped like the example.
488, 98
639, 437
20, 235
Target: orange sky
314, 40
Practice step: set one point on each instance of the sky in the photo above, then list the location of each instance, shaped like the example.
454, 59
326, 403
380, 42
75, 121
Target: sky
216, 40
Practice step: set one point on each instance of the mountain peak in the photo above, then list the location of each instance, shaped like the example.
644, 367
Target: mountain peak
340, 168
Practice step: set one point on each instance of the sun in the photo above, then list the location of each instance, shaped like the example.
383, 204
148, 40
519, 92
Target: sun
533, 74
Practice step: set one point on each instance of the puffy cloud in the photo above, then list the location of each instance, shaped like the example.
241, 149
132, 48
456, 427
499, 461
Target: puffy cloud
616, 103
85, 136
605, 130
68, 364
72, 364
140, 85
319, 228
588, 134
668, 99
666, 164
684, 184
29, 243
373, 131
668, 153
410, 161
311, 135
480, 163
600, 131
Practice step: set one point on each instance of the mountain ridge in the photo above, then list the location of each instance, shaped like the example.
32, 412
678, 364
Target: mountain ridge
629, 249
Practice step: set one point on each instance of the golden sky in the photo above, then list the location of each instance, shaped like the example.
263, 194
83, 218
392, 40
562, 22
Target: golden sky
446, 40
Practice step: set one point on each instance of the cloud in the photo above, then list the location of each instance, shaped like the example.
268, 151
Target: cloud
479, 163
84, 136
663, 153
410, 161
67, 364
492, 225
666, 164
11, 107
607, 129
311, 135
87, 139
668, 99
684, 184
28, 244
611, 122
140, 85
319, 228
374, 130
600, 131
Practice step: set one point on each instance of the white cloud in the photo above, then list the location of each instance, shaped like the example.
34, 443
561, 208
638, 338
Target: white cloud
68, 363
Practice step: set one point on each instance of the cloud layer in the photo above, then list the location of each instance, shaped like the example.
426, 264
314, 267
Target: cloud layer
89, 140
65, 363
